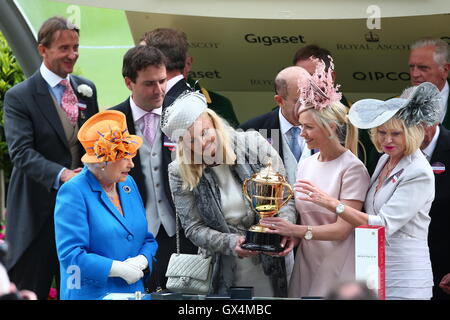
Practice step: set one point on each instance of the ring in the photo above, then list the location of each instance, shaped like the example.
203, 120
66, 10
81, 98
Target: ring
310, 194
273, 225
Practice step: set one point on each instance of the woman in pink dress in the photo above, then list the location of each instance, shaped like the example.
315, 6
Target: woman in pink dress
325, 254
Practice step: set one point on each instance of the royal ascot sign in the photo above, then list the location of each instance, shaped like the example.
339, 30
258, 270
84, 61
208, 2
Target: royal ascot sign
246, 54
239, 46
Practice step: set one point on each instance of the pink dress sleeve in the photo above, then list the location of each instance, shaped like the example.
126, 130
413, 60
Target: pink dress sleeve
355, 182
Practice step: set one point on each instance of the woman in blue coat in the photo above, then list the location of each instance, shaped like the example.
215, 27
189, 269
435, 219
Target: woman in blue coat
100, 224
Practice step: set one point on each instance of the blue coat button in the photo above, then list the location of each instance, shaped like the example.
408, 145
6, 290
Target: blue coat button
130, 237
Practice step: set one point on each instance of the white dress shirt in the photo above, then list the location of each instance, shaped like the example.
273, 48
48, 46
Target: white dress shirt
285, 127
173, 81
139, 113
53, 81
444, 99
428, 151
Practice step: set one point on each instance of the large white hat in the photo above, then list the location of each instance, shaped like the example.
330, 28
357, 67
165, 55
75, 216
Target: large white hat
182, 113
422, 106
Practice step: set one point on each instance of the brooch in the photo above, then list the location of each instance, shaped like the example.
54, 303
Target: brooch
396, 176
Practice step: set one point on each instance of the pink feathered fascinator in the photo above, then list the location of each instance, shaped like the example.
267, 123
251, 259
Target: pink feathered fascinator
318, 91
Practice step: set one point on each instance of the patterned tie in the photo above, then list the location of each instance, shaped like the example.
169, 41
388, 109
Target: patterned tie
150, 123
294, 145
69, 102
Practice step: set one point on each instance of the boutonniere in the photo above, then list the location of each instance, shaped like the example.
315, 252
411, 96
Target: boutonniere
396, 176
85, 90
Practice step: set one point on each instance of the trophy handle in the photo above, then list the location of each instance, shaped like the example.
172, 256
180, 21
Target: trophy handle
291, 193
245, 191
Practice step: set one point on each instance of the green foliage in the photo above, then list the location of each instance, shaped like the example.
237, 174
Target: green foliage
10, 74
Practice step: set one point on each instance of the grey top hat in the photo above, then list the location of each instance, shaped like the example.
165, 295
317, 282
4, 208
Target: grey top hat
422, 106
182, 113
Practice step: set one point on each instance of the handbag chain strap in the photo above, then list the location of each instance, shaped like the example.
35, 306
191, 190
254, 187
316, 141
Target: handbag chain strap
177, 226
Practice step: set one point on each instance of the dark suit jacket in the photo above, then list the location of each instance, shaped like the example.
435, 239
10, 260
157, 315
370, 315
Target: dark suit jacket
267, 122
39, 150
446, 122
217, 102
136, 172
174, 92
438, 234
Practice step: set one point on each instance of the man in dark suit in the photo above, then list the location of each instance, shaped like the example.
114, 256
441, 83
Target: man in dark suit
281, 128
302, 58
42, 116
436, 147
144, 72
174, 45
278, 126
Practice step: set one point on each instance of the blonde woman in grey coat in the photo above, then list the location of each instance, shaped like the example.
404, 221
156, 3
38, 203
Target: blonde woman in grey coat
212, 161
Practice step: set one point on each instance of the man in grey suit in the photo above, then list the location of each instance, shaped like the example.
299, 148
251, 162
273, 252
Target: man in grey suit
42, 116
144, 72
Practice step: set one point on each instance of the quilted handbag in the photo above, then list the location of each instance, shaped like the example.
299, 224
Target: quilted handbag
189, 273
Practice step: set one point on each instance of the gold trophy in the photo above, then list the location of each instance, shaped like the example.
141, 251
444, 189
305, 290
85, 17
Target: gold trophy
265, 192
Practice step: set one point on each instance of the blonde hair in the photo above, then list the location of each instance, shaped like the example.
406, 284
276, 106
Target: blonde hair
337, 114
413, 135
190, 171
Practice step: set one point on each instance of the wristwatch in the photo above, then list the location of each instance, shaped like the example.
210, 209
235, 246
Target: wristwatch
308, 234
340, 209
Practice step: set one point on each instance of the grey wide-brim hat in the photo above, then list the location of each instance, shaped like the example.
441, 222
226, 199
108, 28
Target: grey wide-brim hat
182, 113
422, 106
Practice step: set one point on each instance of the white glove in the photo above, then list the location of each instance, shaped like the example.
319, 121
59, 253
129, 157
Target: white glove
126, 271
139, 261
4, 281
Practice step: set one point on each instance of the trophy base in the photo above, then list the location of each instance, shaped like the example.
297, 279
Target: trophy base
261, 241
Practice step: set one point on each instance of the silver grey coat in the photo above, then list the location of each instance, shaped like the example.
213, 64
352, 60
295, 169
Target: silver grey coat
202, 218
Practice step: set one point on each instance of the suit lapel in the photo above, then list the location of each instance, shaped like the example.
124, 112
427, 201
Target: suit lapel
126, 199
399, 168
47, 107
376, 173
96, 187
273, 123
82, 103
175, 92
446, 122
442, 146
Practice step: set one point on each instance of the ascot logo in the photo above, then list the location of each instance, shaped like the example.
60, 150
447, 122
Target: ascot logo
270, 40
203, 45
262, 82
371, 37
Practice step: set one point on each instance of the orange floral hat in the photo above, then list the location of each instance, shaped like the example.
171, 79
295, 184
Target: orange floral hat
105, 138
